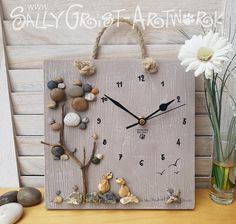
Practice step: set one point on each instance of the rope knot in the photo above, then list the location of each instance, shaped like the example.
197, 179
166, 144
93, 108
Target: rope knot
85, 67
150, 65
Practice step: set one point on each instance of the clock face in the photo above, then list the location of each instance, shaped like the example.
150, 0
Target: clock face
145, 125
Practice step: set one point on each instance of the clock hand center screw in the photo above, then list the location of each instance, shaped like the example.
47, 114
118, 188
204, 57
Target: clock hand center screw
142, 121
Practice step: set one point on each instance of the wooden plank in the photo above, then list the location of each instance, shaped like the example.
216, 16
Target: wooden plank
34, 125
34, 165
31, 146
203, 145
38, 181
7, 144
35, 56
32, 103
32, 181
31, 80
48, 7
31, 165
124, 35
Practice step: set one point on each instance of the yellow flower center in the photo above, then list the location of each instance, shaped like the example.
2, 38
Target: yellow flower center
204, 54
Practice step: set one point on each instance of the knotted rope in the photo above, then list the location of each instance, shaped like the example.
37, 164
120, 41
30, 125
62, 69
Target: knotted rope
88, 68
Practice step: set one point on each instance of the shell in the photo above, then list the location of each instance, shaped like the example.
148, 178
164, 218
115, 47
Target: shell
52, 105
85, 120
64, 157
77, 83
99, 156
57, 94
58, 199
95, 91
80, 104
51, 84
61, 85
56, 126
90, 96
72, 119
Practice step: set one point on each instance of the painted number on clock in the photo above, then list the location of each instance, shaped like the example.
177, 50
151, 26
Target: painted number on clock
141, 162
99, 120
120, 156
184, 121
141, 78
178, 142
119, 84
178, 99
163, 157
104, 142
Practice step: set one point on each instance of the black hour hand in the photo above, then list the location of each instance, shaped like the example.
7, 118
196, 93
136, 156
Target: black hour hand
162, 107
121, 106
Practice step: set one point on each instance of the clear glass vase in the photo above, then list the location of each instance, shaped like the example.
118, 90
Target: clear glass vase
223, 180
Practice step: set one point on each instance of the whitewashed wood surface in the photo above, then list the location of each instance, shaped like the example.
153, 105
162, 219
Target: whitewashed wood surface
27, 48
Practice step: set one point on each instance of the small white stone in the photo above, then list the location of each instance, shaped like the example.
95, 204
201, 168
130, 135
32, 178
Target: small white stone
61, 85
10, 213
85, 120
72, 119
99, 156
90, 96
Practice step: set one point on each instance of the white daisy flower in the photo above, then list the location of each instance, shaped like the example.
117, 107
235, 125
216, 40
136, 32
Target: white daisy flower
205, 54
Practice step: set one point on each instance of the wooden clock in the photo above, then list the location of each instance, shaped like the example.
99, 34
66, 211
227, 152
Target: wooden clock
152, 155
126, 144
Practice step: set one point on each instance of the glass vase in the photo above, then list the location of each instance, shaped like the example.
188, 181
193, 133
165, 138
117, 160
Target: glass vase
223, 170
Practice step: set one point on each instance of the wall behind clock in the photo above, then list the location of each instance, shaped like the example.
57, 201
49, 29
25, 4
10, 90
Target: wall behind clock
22, 77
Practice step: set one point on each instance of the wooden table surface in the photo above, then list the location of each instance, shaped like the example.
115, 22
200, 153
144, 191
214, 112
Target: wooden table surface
206, 211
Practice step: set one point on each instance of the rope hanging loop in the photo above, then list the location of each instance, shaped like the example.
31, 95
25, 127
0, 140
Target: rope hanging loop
88, 67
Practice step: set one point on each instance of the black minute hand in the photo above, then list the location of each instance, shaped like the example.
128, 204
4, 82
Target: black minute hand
121, 106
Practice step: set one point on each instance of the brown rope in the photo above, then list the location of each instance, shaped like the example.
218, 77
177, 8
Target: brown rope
136, 29
88, 68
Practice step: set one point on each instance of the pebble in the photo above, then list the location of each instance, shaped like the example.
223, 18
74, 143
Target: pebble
82, 126
64, 157
56, 126
90, 96
75, 91
80, 104
85, 120
10, 213
8, 197
57, 151
93, 197
75, 198
61, 85
72, 119
57, 94
108, 198
95, 91
51, 121
51, 84
52, 105
77, 83
95, 160
129, 199
87, 88
29, 196
58, 79
58, 199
